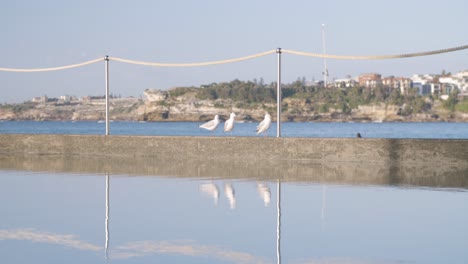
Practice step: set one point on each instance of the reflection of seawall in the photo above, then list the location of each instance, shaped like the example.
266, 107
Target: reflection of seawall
373, 173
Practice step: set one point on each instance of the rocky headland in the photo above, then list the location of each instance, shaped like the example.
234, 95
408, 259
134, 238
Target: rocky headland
160, 105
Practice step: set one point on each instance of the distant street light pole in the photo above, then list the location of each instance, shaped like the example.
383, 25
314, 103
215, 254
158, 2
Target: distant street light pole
325, 69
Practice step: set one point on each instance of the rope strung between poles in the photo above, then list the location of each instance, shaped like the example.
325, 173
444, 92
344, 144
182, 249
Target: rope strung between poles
195, 64
381, 57
53, 68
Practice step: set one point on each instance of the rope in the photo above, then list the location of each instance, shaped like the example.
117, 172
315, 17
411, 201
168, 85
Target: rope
157, 64
381, 57
53, 68
301, 53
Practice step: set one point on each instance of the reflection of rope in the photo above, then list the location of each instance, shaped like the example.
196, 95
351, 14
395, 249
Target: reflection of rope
51, 69
195, 64
381, 57
157, 64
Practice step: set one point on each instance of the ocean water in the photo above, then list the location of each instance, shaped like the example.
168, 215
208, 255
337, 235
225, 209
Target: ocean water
439, 130
93, 218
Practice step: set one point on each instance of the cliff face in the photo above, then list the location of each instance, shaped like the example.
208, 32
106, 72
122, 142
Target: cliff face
161, 106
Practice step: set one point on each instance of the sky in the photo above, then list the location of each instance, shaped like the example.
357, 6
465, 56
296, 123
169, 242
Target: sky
51, 33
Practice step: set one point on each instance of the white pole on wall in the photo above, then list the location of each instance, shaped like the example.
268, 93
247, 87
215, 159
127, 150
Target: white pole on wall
107, 94
278, 99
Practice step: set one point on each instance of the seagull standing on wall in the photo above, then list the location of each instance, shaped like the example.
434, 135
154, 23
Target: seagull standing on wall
211, 125
229, 124
264, 125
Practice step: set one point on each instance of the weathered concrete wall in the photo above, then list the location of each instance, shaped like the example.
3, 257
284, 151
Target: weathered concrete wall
394, 151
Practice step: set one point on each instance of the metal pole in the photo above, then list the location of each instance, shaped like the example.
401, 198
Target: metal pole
107, 94
278, 99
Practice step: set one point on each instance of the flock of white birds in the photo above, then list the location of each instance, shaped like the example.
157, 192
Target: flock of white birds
229, 124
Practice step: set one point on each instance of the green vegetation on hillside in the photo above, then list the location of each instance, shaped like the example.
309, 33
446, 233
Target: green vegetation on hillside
18, 108
320, 99
248, 92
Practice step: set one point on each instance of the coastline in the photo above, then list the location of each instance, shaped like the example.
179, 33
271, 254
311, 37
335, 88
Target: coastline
187, 110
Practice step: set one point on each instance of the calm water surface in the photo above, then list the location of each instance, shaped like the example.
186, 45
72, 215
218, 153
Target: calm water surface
97, 218
288, 129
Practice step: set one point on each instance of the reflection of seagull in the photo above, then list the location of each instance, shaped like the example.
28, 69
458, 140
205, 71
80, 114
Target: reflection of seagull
264, 192
229, 124
211, 190
229, 192
211, 125
264, 125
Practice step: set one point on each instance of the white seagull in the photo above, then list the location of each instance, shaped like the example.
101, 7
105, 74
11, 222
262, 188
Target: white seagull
229, 124
211, 125
264, 125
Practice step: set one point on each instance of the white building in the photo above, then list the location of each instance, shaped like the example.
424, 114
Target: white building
401, 83
458, 81
65, 98
425, 83
43, 99
345, 83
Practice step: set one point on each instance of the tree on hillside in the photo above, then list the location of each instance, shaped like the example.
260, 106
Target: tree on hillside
344, 99
452, 101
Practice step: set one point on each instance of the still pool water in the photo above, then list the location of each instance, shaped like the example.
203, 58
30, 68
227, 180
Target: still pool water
68, 217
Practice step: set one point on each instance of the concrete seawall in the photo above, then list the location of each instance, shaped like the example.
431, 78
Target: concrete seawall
427, 163
395, 151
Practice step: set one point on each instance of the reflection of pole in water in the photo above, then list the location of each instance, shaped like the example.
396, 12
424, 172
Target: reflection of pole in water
324, 203
278, 222
324, 198
107, 217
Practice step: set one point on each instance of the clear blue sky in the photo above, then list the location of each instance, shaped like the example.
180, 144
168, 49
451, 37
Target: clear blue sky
51, 33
